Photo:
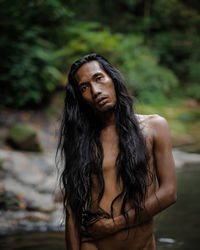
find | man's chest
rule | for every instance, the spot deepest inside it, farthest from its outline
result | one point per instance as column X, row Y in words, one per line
column 110, row 151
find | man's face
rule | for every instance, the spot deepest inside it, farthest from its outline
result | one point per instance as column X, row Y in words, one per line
column 96, row 86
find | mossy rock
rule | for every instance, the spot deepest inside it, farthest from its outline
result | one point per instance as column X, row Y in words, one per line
column 24, row 137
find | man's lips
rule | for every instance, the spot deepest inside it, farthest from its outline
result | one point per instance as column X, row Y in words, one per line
column 101, row 100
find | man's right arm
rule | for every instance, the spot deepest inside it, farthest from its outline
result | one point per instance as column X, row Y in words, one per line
column 72, row 232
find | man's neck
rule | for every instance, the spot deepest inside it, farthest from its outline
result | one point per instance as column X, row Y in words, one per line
column 107, row 119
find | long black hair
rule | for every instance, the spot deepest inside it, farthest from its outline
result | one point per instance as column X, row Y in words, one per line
column 80, row 145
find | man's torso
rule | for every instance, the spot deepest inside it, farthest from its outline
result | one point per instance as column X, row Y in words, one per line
column 142, row 236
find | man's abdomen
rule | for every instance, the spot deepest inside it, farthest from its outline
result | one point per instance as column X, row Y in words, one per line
column 141, row 237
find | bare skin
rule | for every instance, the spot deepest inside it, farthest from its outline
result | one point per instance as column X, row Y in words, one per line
column 107, row 235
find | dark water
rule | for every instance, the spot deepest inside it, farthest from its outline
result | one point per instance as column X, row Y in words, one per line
column 177, row 228
column 180, row 223
column 34, row 241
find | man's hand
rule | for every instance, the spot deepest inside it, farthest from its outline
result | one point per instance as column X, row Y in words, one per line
column 105, row 227
column 99, row 229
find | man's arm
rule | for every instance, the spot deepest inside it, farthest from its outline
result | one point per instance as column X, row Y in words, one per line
column 166, row 194
column 72, row 232
column 163, row 197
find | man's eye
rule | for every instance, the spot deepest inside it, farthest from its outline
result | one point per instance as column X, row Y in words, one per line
column 83, row 89
column 99, row 78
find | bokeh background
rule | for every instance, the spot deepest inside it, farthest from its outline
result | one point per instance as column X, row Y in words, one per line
column 154, row 43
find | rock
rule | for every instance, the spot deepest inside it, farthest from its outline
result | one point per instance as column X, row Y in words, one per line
column 48, row 140
column 24, row 137
column 11, row 222
column 48, row 185
column 37, row 216
column 7, row 226
column 43, row 162
column 26, row 215
column 183, row 159
column 34, row 199
column 58, row 197
column 57, row 218
column 19, row 166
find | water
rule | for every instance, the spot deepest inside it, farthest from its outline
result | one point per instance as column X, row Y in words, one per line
column 177, row 228
column 34, row 241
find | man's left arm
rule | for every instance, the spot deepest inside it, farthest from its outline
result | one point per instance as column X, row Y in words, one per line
column 159, row 200
column 166, row 194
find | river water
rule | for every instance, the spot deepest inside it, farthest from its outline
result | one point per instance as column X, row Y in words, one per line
column 177, row 228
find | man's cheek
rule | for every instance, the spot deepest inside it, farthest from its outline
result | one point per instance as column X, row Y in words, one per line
column 90, row 103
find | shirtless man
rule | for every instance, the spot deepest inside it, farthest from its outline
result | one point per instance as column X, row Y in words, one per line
column 113, row 159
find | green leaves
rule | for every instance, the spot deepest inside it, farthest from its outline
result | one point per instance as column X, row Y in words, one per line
column 31, row 59
column 145, row 77
column 155, row 44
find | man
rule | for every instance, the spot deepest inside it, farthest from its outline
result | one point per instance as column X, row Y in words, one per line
column 112, row 160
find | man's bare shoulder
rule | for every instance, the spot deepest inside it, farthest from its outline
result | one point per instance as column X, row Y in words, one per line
column 153, row 125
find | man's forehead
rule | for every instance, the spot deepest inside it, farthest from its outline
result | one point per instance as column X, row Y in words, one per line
column 88, row 70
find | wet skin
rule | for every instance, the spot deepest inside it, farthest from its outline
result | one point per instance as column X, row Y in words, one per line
column 106, row 234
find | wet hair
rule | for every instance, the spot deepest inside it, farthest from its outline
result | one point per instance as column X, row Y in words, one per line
column 82, row 150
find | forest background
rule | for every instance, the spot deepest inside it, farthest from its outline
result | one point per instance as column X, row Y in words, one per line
column 154, row 43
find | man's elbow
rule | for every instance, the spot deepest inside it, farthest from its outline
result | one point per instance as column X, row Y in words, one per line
column 172, row 195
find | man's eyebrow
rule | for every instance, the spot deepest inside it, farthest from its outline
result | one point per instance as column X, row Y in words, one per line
column 82, row 83
column 97, row 74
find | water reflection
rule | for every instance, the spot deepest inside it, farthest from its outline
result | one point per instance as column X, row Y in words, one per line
column 177, row 228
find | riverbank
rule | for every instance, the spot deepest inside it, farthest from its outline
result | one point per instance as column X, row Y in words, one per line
column 32, row 181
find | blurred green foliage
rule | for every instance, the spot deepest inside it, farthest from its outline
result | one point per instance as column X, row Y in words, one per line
column 154, row 43
column 29, row 50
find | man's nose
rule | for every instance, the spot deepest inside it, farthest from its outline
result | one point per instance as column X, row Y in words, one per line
column 96, row 90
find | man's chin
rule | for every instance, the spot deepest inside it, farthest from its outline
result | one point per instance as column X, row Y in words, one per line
column 107, row 108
